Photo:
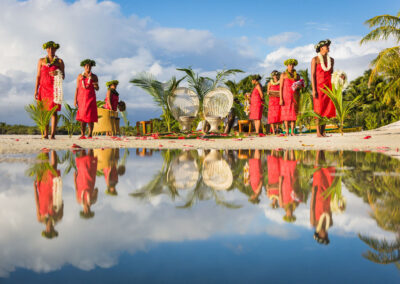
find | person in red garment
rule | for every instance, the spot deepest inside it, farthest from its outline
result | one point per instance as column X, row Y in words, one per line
column 274, row 108
column 48, row 196
column 320, row 206
column 111, row 173
column 288, row 96
column 85, row 181
column 255, row 176
column 321, row 75
column 289, row 199
column 112, row 96
column 85, row 97
column 256, row 102
column 44, row 87
column 274, row 172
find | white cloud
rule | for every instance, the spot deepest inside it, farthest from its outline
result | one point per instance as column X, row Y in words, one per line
column 239, row 21
column 283, row 38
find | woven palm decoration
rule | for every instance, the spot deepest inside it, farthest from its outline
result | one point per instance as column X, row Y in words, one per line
column 216, row 172
column 218, row 102
column 183, row 102
column 183, row 172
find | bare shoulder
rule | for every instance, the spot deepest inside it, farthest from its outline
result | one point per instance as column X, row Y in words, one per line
column 314, row 60
column 60, row 61
column 79, row 77
column 42, row 60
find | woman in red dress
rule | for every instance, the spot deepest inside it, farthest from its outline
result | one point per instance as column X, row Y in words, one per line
column 289, row 97
column 48, row 210
column 112, row 96
column 85, row 181
column 256, row 101
column 274, row 172
column 85, row 97
column 320, row 211
column 321, row 75
column 44, row 87
column 255, row 176
column 274, row 108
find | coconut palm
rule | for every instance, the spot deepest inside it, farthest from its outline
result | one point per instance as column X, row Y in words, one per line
column 388, row 61
column 69, row 121
column 40, row 115
column 159, row 91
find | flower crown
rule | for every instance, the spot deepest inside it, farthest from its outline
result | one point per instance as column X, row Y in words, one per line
column 88, row 61
column 323, row 241
column 112, row 82
column 51, row 44
column 321, row 44
column 290, row 61
column 275, row 73
column 289, row 219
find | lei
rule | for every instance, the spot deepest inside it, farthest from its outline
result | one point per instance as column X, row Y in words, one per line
column 58, row 88
column 48, row 63
column 290, row 75
column 83, row 81
column 322, row 62
column 273, row 83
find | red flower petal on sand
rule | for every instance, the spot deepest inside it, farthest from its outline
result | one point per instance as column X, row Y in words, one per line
column 356, row 150
column 181, row 137
column 17, row 140
column 367, row 137
column 75, row 146
column 261, row 135
column 160, row 145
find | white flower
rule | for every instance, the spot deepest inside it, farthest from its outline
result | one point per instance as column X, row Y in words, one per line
column 339, row 79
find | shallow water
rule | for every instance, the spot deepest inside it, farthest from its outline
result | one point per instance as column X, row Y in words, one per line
column 199, row 216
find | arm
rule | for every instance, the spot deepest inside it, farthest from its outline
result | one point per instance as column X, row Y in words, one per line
column 280, row 191
column 281, row 89
column 108, row 99
column 313, row 77
column 36, row 200
column 62, row 67
column 95, row 82
column 268, row 88
column 333, row 63
column 260, row 91
column 39, row 66
column 78, row 80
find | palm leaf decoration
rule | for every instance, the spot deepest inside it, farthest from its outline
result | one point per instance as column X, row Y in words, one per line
column 69, row 121
column 40, row 115
column 385, row 252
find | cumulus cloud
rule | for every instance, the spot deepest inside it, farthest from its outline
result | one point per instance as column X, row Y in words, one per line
column 283, row 38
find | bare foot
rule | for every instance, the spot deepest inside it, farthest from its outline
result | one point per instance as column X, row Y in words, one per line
column 52, row 137
column 45, row 137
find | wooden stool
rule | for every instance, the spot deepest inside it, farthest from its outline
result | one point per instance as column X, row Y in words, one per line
column 244, row 122
column 242, row 155
column 143, row 124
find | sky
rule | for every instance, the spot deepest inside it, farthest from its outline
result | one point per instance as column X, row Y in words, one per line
column 126, row 38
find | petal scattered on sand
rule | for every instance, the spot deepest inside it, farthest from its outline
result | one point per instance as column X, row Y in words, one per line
column 367, row 137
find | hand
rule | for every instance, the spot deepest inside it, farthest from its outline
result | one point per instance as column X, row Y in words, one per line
column 315, row 94
column 35, row 96
column 281, row 102
column 75, row 103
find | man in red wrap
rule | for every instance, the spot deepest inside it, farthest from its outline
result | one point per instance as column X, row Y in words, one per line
column 85, row 97
column 44, row 87
column 321, row 75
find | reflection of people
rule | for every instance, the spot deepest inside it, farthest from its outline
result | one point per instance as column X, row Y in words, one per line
column 320, row 211
column 256, row 102
column 48, row 196
column 273, row 162
column 85, row 181
column 255, row 176
column 288, row 197
column 321, row 74
column 274, row 108
column 44, row 88
column 85, row 97
column 288, row 96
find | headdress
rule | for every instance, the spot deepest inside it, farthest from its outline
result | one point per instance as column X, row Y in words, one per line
column 323, row 241
column 290, row 62
column 88, row 61
column 51, row 44
column 275, row 73
column 112, row 82
column 321, row 44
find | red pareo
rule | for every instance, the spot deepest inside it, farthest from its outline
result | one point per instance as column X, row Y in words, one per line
column 274, row 108
column 86, row 168
column 256, row 106
column 111, row 175
column 322, row 180
column 274, row 170
column 45, row 193
column 323, row 105
column 289, row 108
column 288, row 169
column 255, row 173
column 114, row 98
column 87, row 107
column 46, row 87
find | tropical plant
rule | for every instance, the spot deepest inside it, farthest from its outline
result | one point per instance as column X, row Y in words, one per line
column 239, row 90
column 159, row 91
column 69, row 121
column 386, row 252
column 305, row 101
column 40, row 115
column 342, row 107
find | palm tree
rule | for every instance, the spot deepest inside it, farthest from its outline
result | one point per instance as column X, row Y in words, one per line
column 69, row 121
column 388, row 61
column 159, row 91
column 40, row 115
column 305, row 100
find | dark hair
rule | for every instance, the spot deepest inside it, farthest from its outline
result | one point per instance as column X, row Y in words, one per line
column 256, row 77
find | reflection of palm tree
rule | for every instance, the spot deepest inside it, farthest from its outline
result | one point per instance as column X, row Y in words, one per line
column 385, row 252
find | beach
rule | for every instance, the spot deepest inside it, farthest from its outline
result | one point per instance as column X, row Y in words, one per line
column 385, row 139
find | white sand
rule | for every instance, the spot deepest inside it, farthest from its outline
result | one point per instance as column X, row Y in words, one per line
column 385, row 139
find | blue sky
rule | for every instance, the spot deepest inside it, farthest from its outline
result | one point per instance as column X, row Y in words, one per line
column 129, row 37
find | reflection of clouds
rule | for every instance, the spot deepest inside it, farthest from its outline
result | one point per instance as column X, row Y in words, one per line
column 123, row 223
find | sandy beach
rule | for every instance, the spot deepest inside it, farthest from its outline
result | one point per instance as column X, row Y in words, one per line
column 385, row 139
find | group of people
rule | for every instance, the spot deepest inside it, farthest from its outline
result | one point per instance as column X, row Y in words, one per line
column 283, row 91
column 87, row 84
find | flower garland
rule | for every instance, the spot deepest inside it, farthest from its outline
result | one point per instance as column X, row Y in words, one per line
column 291, row 61
column 57, row 87
column 48, row 63
column 322, row 62
column 339, row 79
column 246, row 173
column 273, row 83
column 57, row 193
column 290, row 75
column 83, row 80
column 113, row 82
column 51, row 44
column 246, row 104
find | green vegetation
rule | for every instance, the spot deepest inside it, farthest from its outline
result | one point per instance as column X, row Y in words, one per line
column 40, row 115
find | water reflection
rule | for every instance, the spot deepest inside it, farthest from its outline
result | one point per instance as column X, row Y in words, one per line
column 177, row 195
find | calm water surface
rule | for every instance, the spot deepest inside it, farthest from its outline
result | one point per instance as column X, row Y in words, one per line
column 115, row 215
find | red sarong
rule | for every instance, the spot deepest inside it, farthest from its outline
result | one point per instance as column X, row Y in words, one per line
column 288, row 169
column 323, row 105
column 46, row 87
column 274, row 108
column 322, row 180
column 255, row 173
column 289, row 108
column 86, row 168
column 87, row 107
column 45, row 193
column 255, row 105
column 114, row 102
